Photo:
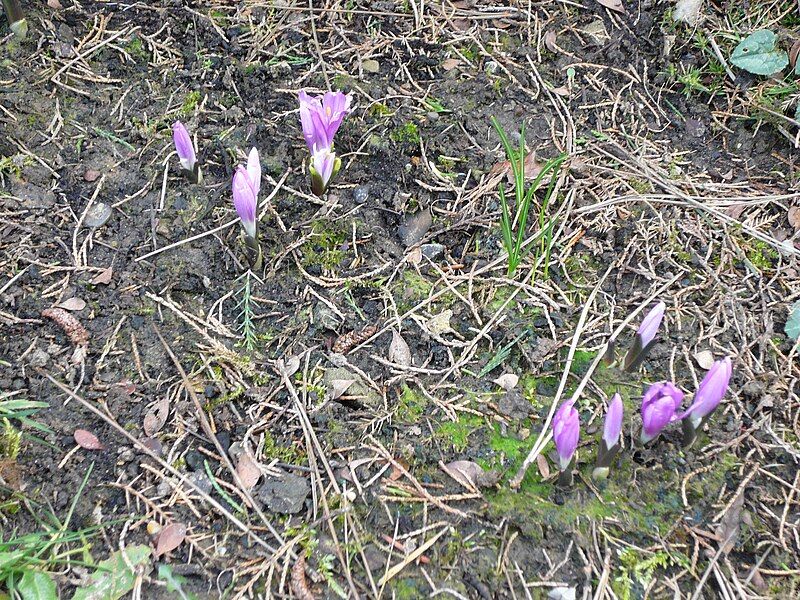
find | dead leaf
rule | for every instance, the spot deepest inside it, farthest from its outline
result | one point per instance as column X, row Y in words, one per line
column 103, row 277
column 530, row 165
column 439, row 324
column 794, row 217
column 87, row 440
column 735, row 210
column 687, row 11
column 793, row 52
column 508, row 381
column 156, row 417
column 170, row 538
column 561, row 593
column 399, row 352
column 728, row 528
column 705, row 359
column 414, row 255
column 54, row 4
column 291, row 365
column 615, row 5
column 561, row 91
column 73, row 304
column 90, row 175
column 550, row 41
column 543, row 466
column 414, row 227
column 448, row 64
column 469, row 474
column 248, row 470
column 338, row 387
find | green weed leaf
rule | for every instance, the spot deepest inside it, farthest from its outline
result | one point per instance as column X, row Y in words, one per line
column 758, row 53
column 36, row 585
column 792, row 327
column 113, row 577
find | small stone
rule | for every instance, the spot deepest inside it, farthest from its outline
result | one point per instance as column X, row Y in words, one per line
column 371, row 66
column 285, row 494
column 194, row 460
column 224, row 439
column 201, row 480
column 361, row 194
column 432, row 251
column 91, row 175
column 211, row 391
column 98, row 215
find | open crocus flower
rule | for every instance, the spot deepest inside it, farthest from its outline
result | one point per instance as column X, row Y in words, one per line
column 609, row 444
column 566, row 431
column 708, row 396
column 323, row 168
column 185, row 150
column 321, row 117
column 645, row 336
column 660, row 404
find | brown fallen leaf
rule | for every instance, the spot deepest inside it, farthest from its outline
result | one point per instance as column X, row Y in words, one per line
column 794, row 217
column 448, row 64
column 793, row 52
column 550, row 41
column 543, row 466
column 73, row 304
column 728, row 528
column 87, row 440
column 530, row 165
column 248, row 470
column 399, row 352
column 705, row 359
column 103, row 277
column 338, row 387
column 414, row 227
column 469, row 474
column 169, row 538
column 156, row 417
column 615, row 5
column 507, row 381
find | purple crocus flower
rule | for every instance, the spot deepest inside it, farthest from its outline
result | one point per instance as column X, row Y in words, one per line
column 245, row 200
column 321, row 117
column 649, row 327
column 566, row 431
column 183, row 146
column 613, row 423
column 645, row 336
column 323, row 168
column 710, row 392
column 659, row 405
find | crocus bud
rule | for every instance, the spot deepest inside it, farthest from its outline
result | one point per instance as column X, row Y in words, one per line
column 613, row 423
column 16, row 18
column 566, row 431
column 185, row 150
column 609, row 444
column 645, row 336
column 254, row 170
column 245, row 200
column 659, row 406
column 323, row 168
column 321, row 117
column 708, row 396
